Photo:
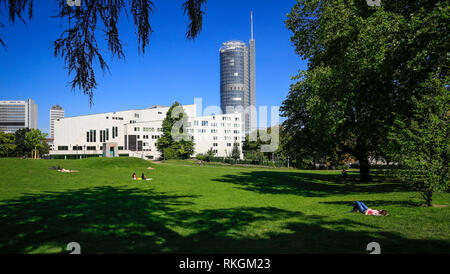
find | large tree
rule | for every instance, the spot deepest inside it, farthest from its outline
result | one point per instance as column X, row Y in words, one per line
column 22, row 147
column 35, row 139
column 7, row 144
column 364, row 64
column 420, row 143
column 176, row 142
column 94, row 19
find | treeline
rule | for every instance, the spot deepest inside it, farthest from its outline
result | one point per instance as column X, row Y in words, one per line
column 23, row 142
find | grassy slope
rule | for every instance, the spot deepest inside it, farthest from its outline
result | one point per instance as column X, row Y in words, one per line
column 188, row 208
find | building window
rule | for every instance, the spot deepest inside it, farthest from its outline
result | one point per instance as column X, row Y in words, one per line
column 213, row 130
column 195, row 123
column 204, row 123
column 63, row 148
column 136, row 115
column 120, row 148
column 215, row 144
column 214, row 138
column 228, row 144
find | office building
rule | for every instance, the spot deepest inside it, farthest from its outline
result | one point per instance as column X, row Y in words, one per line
column 237, row 79
column 15, row 115
column 56, row 112
column 135, row 132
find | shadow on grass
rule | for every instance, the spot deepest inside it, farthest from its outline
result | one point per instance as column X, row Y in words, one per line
column 124, row 220
column 305, row 184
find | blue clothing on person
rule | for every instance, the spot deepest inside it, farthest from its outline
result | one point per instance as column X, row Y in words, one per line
column 361, row 206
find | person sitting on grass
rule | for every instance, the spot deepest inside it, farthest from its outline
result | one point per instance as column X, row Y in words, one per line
column 133, row 177
column 368, row 211
column 145, row 178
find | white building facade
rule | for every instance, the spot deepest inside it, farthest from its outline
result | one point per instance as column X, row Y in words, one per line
column 135, row 132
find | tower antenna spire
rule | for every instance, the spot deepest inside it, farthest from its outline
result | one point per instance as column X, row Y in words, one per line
column 251, row 18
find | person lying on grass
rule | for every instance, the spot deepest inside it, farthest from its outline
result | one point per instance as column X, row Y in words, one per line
column 67, row 170
column 368, row 211
column 145, row 178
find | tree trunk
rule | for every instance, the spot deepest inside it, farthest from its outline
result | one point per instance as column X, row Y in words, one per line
column 364, row 170
column 429, row 197
column 364, row 166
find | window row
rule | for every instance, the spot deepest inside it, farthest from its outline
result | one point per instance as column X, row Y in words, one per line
column 85, row 148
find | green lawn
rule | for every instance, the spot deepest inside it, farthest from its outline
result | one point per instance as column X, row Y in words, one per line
column 208, row 209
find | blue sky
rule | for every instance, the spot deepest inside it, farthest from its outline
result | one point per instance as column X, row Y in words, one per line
column 172, row 69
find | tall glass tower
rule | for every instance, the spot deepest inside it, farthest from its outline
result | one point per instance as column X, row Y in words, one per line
column 237, row 78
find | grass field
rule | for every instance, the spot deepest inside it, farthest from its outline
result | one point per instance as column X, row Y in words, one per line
column 188, row 208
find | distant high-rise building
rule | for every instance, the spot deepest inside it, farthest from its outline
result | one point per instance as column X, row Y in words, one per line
column 237, row 78
column 56, row 112
column 15, row 115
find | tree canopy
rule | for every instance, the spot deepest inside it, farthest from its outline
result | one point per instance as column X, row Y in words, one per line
column 176, row 142
column 365, row 64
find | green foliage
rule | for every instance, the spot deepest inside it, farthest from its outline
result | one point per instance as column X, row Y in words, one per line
column 175, row 143
column 256, row 156
column 7, row 144
column 363, row 64
column 420, row 142
column 235, row 152
column 201, row 157
column 252, row 148
column 35, row 139
column 22, row 147
column 210, row 154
